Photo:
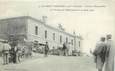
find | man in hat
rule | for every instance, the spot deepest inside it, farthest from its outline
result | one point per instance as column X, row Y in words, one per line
column 64, row 49
column 5, row 52
column 70, row 49
column 99, row 54
column 46, row 49
column 109, row 62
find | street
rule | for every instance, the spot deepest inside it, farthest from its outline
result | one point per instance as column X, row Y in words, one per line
column 53, row 63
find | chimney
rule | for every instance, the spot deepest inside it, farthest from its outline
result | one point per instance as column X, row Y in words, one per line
column 61, row 27
column 74, row 33
column 44, row 18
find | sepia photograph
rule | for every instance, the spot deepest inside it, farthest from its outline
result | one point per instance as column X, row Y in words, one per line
column 57, row 35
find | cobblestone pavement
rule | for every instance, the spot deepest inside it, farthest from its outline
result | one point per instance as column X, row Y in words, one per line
column 52, row 63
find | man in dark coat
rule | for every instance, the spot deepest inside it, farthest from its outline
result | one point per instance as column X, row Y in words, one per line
column 99, row 54
column 13, row 52
column 64, row 49
column 46, row 49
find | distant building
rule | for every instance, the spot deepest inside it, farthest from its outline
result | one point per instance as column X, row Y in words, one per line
column 30, row 29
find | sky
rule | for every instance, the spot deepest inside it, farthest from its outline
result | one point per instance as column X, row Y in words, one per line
column 91, row 25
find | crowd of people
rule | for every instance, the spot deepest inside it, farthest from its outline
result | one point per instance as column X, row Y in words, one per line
column 104, row 54
column 68, row 50
column 14, row 52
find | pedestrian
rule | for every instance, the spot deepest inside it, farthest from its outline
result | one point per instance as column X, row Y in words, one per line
column 53, row 51
column 64, row 49
column 5, row 51
column 11, row 52
column 46, row 49
column 23, row 52
column 26, row 52
column 69, row 49
column 99, row 54
column 109, row 62
column 14, row 54
column 19, row 52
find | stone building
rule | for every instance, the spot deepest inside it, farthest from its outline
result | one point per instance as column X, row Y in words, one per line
column 31, row 29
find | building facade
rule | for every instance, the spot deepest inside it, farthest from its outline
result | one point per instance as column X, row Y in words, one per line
column 31, row 29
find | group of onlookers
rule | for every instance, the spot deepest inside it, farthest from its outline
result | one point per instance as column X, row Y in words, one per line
column 15, row 53
column 12, row 54
column 67, row 49
column 104, row 54
column 9, row 53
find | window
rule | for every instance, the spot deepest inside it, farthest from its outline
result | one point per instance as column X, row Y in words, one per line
column 66, row 40
column 45, row 33
column 53, row 36
column 36, row 30
column 72, row 41
column 60, row 39
column 79, row 44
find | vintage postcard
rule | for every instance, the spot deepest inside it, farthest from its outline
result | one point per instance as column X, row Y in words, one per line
column 57, row 35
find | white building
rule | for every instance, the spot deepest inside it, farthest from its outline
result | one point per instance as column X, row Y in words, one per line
column 32, row 29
